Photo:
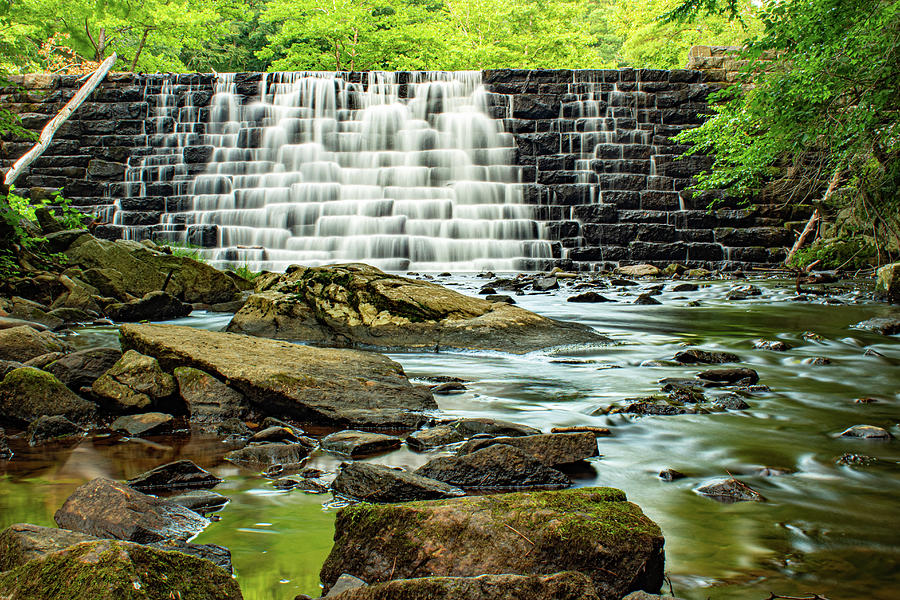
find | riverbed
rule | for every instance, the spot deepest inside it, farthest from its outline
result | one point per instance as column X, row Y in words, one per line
column 825, row 528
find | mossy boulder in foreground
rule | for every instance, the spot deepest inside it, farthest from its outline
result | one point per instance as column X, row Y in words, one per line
column 27, row 393
column 116, row 570
column 887, row 283
column 358, row 304
column 560, row 586
column 595, row 531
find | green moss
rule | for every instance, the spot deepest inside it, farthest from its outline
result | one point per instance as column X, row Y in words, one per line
column 118, row 570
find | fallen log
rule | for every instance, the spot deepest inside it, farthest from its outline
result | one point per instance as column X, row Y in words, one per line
column 51, row 128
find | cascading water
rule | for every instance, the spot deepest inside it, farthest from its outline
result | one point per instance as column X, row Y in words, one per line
column 318, row 169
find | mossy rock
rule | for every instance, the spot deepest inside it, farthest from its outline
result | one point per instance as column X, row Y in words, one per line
column 27, row 393
column 591, row 530
column 358, row 304
column 24, row 343
column 144, row 269
column 887, row 283
column 116, row 570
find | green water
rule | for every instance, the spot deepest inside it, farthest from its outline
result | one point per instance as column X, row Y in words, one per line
column 825, row 529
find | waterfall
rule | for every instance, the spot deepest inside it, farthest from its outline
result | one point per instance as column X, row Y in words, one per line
column 403, row 171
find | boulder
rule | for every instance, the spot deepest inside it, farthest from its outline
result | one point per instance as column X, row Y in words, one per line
column 49, row 429
column 82, row 368
column 646, row 299
column 496, row 466
column 730, row 490
column 651, row 406
column 39, row 362
column 734, row 375
column 359, row 304
column 359, row 443
column 278, row 433
column 180, row 474
column 882, row 325
column 867, row 432
column 24, row 343
column 326, row 386
column 23, row 542
column 591, row 530
column 639, row 271
column 588, row 297
column 263, row 456
column 550, row 448
column 153, row 306
column 433, row 437
column 545, row 284
column 887, row 283
column 145, row 269
column 218, row 555
column 152, row 423
column 133, row 383
column 109, row 509
column 378, row 483
column 112, row 570
column 569, row 585
column 28, row 393
column 31, row 311
column 694, row 356
column 484, row 425
column 7, row 366
column 775, row 345
column 207, row 398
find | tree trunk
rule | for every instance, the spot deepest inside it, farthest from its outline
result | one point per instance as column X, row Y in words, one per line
column 140, row 48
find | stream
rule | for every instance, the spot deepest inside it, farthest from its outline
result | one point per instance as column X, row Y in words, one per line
column 824, row 529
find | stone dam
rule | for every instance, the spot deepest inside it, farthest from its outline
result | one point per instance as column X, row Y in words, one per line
column 497, row 169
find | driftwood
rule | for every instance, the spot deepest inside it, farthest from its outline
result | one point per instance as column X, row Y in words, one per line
column 814, row 218
column 57, row 121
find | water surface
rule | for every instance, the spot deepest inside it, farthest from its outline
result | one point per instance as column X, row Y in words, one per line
column 825, row 528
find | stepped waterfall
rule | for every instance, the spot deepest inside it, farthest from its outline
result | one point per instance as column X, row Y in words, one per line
column 319, row 169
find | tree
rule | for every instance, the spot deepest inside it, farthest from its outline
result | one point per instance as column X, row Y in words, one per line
column 653, row 42
column 823, row 108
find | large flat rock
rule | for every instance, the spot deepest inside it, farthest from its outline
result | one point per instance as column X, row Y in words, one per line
column 319, row 385
column 359, row 304
column 591, row 530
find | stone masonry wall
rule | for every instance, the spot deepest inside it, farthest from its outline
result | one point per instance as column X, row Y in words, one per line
column 594, row 148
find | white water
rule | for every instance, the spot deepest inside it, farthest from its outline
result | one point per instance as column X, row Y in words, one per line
column 318, row 170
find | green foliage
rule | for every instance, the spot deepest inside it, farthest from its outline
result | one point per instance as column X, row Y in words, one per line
column 185, row 250
column 652, row 39
column 245, row 272
column 854, row 252
column 823, row 100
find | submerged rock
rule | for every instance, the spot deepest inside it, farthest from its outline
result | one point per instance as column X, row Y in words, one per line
column 378, row 483
column 109, row 509
column 112, row 570
column 569, row 585
column 359, row 304
column 694, row 356
column 200, row 501
column 264, row 456
column 591, row 530
column 28, row 393
column 868, row 432
column 24, row 343
column 359, row 443
column 172, row 476
column 735, row 375
column 591, row 297
column 152, row 423
column 49, row 429
column 134, row 383
column 551, row 448
column 671, row 475
column 882, row 325
column 646, row 299
column 343, row 387
column 730, row 490
column 496, row 466
column 651, row 407
column 730, row 402
column 450, row 387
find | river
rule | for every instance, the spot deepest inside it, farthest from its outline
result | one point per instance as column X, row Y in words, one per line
column 826, row 529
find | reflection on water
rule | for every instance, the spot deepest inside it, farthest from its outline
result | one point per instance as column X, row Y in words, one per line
column 825, row 529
